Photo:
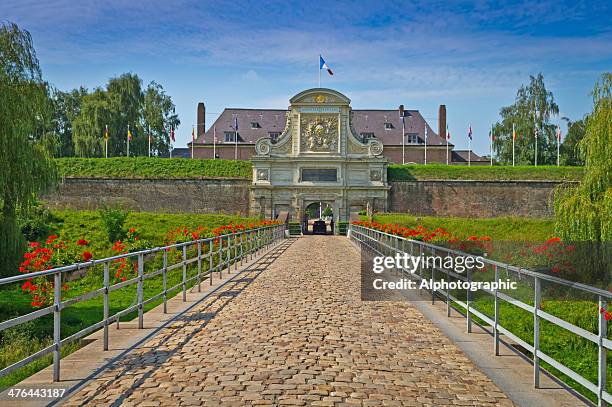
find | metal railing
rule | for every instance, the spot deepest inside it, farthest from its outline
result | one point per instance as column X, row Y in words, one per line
column 389, row 245
column 219, row 252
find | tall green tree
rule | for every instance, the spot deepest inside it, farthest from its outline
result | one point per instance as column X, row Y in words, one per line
column 89, row 125
column 121, row 104
column 532, row 110
column 26, row 167
column 159, row 116
column 66, row 108
column 585, row 212
column 570, row 148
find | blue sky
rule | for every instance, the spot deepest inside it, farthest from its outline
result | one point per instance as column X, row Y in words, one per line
column 471, row 56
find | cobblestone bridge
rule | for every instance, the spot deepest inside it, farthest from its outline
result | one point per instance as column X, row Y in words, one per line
column 295, row 332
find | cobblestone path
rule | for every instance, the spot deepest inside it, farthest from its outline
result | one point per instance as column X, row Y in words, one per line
column 296, row 333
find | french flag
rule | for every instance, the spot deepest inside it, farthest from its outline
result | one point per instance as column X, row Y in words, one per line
column 323, row 65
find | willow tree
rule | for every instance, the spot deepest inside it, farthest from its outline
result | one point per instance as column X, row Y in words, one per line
column 584, row 213
column 26, row 167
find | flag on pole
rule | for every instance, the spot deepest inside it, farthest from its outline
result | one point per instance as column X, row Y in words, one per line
column 470, row 132
column 192, row 140
column 447, row 133
column 129, row 135
column 172, row 134
column 323, row 65
column 558, row 134
column 513, row 132
column 106, row 132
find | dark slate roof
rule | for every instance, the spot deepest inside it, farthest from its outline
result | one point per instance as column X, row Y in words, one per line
column 364, row 121
column 462, row 156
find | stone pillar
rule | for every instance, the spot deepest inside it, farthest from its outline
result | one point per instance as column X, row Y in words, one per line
column 442, row 122
column 201, row 125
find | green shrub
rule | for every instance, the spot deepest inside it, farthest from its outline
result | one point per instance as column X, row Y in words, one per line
column 36, row 224
column 113, row 220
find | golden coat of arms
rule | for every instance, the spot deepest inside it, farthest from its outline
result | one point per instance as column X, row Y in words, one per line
column 319, row 134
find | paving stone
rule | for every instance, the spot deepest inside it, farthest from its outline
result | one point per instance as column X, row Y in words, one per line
column 296, row 334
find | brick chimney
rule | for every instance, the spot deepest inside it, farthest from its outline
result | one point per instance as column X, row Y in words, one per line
column 442, row 122
column 201, row 126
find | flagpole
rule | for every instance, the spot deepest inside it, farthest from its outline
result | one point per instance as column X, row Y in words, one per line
column 470, row 147
column 425, row 143
column 214, row 142
column 446, row 144
column 192, row 140
column 319, row 70
column 149, row 141
column 536, row 147
column 513, row 138
column 491, row 146
column 128, row 141
column 106, row 141
column 558, row 143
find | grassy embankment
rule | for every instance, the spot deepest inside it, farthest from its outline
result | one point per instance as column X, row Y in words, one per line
column 19, row 342
column 398, row 172
column 570, row 349
column 144, row 167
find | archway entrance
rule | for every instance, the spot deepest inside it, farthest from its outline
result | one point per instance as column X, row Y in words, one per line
column 318, row 219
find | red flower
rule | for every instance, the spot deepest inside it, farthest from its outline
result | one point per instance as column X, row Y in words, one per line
column 553, row 240
column 608, row 315
column 34, row 244
column 82, row 242
column 87, row 256
column 132, row 230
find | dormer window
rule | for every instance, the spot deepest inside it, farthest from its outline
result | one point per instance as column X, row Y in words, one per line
column 388, row 126
column 412, row 138
column 255, row 125
column 366, row 136
column 274, row 135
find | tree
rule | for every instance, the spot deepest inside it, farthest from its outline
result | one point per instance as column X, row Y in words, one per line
column 533, row 108
column 570, row 151
column 26, row 167
column 158, row 117
column 66, row 108
column 89, row 125
column 121, row 104
column 585, row 212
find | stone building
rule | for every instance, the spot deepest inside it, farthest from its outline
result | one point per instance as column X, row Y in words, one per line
column 382, row 125
column 318, row 158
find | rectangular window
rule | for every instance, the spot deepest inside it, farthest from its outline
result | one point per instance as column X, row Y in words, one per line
column 230, row 136
column 319, row 174
column 255, row 125
column 412, row 138
column 388, row 126
column 366, row 136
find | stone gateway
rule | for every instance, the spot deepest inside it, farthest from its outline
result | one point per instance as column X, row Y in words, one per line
column 318, row 158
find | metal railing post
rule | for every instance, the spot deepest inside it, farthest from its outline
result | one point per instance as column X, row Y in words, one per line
column 229, row 254
column 433, row 279
column 210, row 261
column 536, row 332
column 235, row 252
column 468, row 295
column 448, row 299
column 165, row 281
column 140, row 291
column 241, row 248
column 603, row 354
column 184, row 273
column 496, row 316
column 106, row 307
column 199, row 266
column 220, row 239
column 57, row 320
